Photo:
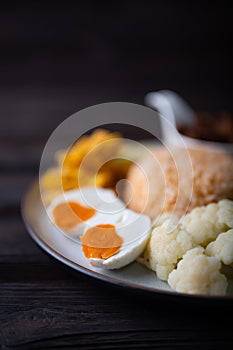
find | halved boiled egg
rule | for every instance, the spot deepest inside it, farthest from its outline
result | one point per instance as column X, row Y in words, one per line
column 72, row 210
column 111, row 235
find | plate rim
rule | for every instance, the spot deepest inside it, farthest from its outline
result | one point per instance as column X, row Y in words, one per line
column 33, row 232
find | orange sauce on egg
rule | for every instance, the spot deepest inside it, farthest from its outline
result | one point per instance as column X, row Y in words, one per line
column 67, row 215
column 101, row 241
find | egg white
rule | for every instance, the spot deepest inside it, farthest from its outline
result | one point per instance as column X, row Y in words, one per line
column 107, row 205
column 133, row 227
column 135, row 230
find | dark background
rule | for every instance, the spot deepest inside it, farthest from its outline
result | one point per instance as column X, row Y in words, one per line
column 58, row 57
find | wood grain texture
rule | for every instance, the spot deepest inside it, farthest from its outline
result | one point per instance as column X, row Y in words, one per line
column 78, row 311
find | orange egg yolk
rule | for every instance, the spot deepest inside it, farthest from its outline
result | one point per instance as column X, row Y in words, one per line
column 67, row 215
column 101, row 242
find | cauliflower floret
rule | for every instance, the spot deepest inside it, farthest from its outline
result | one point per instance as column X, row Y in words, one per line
column 225, row 212
column 160, row 220
column 197, row 273
column 222, row 247
column 206, row 222
column 166, row 246
column 180, row 242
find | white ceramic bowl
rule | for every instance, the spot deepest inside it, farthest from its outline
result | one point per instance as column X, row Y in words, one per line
column 174, row 110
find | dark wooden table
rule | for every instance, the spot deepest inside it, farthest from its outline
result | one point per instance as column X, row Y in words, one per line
column 44, row 304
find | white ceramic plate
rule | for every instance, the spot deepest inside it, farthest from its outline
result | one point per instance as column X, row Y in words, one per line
column 49, row 238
